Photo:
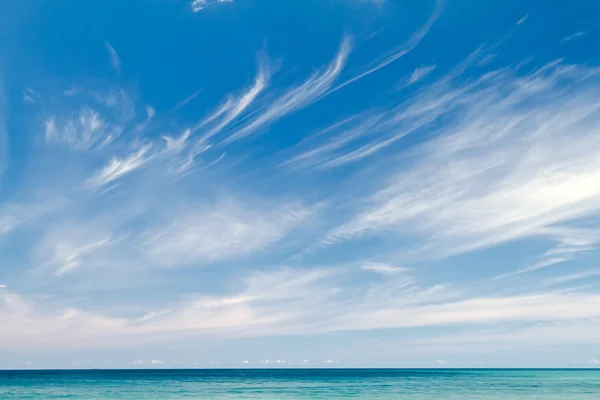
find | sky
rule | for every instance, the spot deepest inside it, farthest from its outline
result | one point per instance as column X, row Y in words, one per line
column 315, row 183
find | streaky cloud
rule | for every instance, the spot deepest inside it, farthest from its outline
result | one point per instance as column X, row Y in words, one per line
column 119, row 167
column 199, row 5
column 523, row 19
column 186, row 101
column 573, row 36
column 115, row 61
column 420, row 73
column 296, row 98
column 235, row 107
column 398, row 52
column 177, row 144
column 309, row 301
column 384, row 269
column 513, row 169
column 223, row 231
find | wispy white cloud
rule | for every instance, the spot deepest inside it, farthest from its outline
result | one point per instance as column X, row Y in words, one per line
column 370, row 132
column 87, row 127
column 573, row 36
column 218, row 121
column 398, row 52
column 177, row 144
column 384, row 269
column 420, row 73
column 220, row 231
column 31, row 96
column 298, row 97
column 115, row 61
column 523, row 19
column 487, row 59
column 571, row 244
column 186, row 101
column 138, row 362
column 562, row 279
column 119, row 167
column 341, row 136
column 150, row 112
column 199, row 5
column 480, row 183
column 72, row 260
column 441, row 362
column 71, row 92
column 282, row 302
column 13, row 215
column 9, row 219
column 236, row 106
column 157, row 362
column 69, row 248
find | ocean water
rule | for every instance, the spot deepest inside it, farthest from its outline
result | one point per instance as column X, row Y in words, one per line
column 302, row 384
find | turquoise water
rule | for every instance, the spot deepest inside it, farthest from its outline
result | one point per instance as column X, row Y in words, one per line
column 302, row 384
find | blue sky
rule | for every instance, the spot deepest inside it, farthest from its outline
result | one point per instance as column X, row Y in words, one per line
column 321, row 183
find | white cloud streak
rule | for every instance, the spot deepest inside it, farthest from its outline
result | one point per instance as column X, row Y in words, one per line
column 370, row 132
column 516, row 158
column 186, row 101
column 199, row 5
column 420, row 73
column 562, row 279
column 115, row 61
column 573, row 36
column 69, row 248
column 235, row 107
column 219, row 232
column 286, row 301
column 177, row 144
column 571, row 244
column 14, row 215
column 81, row 132
column 98, row 122
column 297, row 98
column 398, row 52
column 383, row 269
column 119, row 167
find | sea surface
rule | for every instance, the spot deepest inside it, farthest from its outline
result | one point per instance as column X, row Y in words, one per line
column 302, row 384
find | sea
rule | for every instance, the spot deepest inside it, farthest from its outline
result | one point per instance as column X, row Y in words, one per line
column 280, row 384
